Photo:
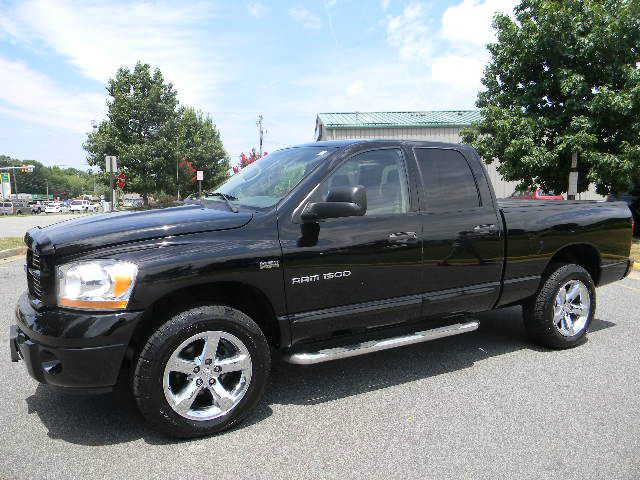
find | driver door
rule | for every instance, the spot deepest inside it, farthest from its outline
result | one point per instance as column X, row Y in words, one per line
column 349, row 274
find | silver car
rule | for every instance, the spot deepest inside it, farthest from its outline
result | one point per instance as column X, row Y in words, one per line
column 14, row 208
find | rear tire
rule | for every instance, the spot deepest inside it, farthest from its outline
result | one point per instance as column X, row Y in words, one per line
column 560, row 314
column 187, row 384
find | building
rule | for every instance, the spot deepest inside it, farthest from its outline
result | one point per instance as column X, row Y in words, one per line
column 438, row 126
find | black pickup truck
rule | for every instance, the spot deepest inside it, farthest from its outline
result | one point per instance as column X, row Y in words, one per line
column 314, row 253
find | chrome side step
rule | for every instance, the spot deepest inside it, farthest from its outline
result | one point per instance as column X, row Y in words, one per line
column 326, row 355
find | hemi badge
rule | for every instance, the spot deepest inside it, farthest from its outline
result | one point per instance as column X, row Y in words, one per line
column 269, row 264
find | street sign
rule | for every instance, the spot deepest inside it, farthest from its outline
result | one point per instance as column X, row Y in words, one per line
column 111, row 164
column 199, row 175
column 5, row 185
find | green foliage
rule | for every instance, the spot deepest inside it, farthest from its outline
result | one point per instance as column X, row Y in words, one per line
column 62, row 182
column 199, row 142
column 149, row 133
column 563, row 78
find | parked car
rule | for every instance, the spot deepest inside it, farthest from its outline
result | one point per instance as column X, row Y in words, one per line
column 56, row 207
column 318, row 252
column 6, row 208
column 537, row 194
column 82, row 206
column 14, row 207
column 37, row 207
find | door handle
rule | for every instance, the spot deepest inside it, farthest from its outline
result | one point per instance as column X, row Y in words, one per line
column 486, row 228
column 403, row 237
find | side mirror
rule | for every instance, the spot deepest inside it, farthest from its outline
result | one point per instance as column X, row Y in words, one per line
column 341, row 202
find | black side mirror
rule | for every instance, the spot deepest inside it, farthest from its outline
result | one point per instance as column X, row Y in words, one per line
column 341, row 202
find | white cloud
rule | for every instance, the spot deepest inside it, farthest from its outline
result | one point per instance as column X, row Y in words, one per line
column 304, row 17
column 409, row 33
column 385, row 4
column 355, row 88
column 98, row 38
column 29, row 95
column 470, row 21
column 458, row 71
column 453, row 53
column 256, row 9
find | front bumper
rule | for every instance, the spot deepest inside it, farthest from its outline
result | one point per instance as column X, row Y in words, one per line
column 80, row 351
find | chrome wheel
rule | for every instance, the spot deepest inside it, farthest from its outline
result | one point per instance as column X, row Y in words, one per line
column 571, row 308
column 207, row 375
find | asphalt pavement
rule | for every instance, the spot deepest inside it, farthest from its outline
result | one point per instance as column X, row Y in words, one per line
column 483, row 405
column 17, row 225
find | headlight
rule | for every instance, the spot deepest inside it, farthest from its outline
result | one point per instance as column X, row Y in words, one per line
column 96, row 284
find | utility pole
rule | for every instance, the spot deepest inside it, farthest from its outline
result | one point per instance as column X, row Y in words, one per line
column 15, row 185
column 259, row 124
column 572, row 191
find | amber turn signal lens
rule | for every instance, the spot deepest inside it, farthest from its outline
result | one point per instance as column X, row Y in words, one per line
column 104, row 304
column 122, row 282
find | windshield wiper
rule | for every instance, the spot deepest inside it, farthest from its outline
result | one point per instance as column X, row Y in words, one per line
column 226, row 198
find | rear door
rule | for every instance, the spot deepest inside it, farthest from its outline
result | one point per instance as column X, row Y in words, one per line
column 348, row 274
column 461, row 234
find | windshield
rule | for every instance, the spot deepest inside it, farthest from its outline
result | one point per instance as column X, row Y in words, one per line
column 76, row 202
column 266, row 181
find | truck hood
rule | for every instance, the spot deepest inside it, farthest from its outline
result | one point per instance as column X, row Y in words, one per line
column 96, row 231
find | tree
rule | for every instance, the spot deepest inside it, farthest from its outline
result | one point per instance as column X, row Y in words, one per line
column 152, row 136
column 200, row 148
column 563, row 78
column 141, row 129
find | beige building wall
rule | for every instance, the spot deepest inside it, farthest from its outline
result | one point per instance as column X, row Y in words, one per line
column 502, row 187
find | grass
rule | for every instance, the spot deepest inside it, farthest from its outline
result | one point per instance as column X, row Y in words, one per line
column 635, row 251
column 10, row 242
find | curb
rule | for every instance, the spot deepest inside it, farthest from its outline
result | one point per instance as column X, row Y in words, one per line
column 12, row 252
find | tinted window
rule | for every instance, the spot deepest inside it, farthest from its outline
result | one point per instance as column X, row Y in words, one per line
column 382, row 173
column 447, row 180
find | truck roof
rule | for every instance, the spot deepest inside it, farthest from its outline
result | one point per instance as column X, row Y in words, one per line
column 351, row 141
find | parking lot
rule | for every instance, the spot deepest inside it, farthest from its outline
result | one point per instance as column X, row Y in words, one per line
column 487, row 404
column 17, row 225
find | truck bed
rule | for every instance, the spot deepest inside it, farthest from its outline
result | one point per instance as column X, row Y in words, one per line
column 537, row 230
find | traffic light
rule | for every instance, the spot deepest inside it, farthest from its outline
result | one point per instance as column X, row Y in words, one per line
column 26, row 168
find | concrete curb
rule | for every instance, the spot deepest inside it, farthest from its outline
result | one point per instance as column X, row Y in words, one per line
column 12, row 252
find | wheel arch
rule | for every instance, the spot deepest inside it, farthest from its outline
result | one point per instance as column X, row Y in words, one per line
column 584, row 254
column 246, row 298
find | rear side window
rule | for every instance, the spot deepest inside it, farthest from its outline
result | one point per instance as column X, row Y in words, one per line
column 447, row 179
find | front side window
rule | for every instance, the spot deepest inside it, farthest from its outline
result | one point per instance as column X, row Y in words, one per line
column 383, row 175
column 447, row 179
column 264, row 182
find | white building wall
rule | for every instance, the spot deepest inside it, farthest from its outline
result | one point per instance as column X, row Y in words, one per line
column 502, row 187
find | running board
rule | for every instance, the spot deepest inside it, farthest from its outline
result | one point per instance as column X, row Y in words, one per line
column 326, row 355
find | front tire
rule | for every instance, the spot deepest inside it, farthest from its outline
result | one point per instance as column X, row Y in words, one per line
column 202, row 371
column 560, row 314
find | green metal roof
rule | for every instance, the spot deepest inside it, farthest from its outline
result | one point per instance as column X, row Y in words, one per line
column 426, row 118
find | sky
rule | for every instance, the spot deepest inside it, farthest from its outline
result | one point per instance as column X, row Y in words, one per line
column 235, row 60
